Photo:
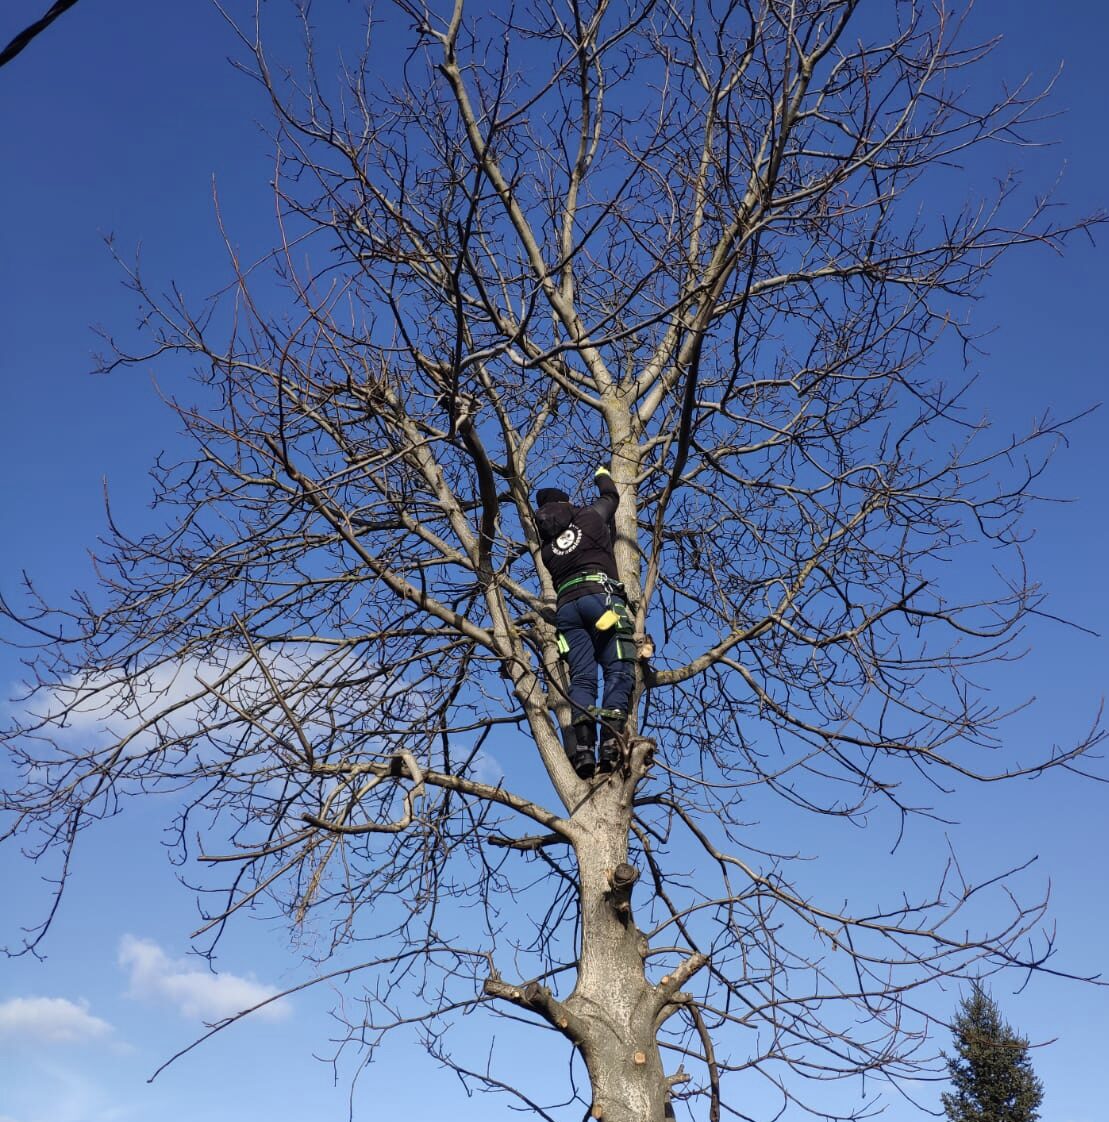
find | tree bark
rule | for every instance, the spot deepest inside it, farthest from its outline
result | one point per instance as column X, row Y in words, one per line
column 614, row 1004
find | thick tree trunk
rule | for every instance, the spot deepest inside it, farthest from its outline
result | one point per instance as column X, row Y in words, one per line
column 613, row 1006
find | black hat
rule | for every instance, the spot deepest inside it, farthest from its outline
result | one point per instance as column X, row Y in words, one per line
column 550, row 495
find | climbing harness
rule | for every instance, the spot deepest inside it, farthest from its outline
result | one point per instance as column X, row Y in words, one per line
column 604, row 579
column 616, row 616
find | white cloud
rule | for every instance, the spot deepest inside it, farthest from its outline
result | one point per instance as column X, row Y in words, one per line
column 49, row 1020
column 483, row 766
column 176, row 697
column 114, row 705
column 48, row 1092
column 154, row 976
column 487, row 769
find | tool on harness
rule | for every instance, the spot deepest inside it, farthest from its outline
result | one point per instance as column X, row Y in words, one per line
column 618, row 620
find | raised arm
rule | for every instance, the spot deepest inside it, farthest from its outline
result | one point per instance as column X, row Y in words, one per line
column 606, row 505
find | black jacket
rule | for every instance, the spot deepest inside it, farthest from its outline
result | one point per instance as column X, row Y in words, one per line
column 578, row 539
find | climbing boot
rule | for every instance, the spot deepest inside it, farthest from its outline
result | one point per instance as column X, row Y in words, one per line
column 583, row 763
column 608, row 758
column 580, row 752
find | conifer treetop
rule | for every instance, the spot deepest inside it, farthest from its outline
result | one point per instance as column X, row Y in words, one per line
column 991, row 1070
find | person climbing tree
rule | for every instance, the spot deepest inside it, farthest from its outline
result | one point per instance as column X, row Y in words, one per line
column 594, row 624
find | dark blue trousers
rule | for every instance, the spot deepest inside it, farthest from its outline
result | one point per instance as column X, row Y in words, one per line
column 590, row 648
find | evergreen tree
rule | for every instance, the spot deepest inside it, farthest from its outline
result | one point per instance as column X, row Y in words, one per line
column 992, row 1073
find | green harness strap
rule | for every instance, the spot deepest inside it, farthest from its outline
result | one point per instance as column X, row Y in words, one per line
column 616, row 618
column 585, row 578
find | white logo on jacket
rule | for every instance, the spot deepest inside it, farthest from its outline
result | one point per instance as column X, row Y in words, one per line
column 567, row 541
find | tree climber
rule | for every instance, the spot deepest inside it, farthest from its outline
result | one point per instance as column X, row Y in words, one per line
column 594, row 625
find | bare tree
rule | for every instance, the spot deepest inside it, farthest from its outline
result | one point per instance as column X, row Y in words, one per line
column 19, row 42
column 715, row 245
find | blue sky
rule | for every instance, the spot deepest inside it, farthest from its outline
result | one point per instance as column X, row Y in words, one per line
column 116, row 122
